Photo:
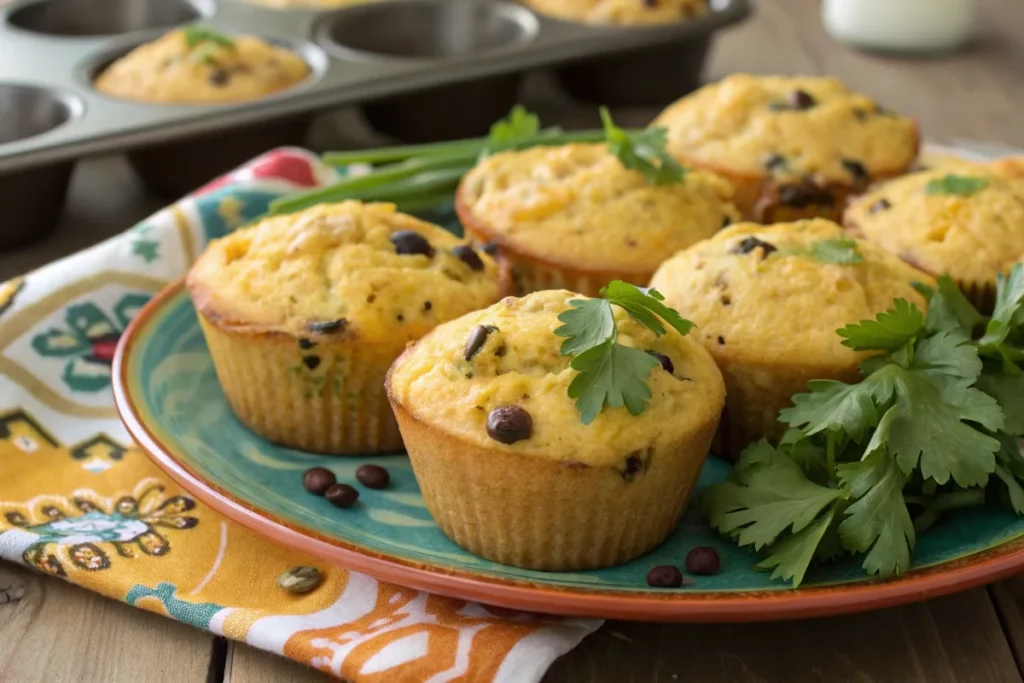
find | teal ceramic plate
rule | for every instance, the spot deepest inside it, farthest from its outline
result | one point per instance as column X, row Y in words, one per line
column 169, row 398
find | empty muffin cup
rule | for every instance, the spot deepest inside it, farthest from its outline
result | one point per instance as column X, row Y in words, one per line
column 652, row 76
column 102, row 17
column 433, row 30
column 33, row 197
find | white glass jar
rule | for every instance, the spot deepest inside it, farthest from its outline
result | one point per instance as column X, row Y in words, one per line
column 901, row 25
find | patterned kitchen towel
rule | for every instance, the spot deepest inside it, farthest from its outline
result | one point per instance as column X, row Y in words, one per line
column 80, row 502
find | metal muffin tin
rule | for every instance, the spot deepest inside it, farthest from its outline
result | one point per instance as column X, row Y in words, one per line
column 430, row 69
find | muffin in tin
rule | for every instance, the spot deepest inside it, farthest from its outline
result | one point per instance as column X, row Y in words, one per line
column 304, row 313
column 767, row 308
column 195, row 65
column 507, row 468
column 621, row 12
column 573, row 217
column 794, row 147
column 963, row 219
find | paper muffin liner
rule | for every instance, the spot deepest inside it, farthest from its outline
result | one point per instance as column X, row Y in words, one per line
column 328, row 398
column 981, row 294
column 531, row 512
column 754, row 396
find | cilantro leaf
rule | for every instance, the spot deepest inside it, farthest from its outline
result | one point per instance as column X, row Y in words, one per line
column 791, row 556
column 842, row 251
column 929, row 423
column 889, row 331
column 587, row 323
column 764, row 497
column 948, row 354
column 953, row 184
column 1007, row 315
column 196, row 35
column 1014, row 491
column 518, row 126
column 643, row 151
column 1010, row 469
column 948, row 309
column 1008, row 391
column 852, row 408
column 611, row 375
column 645, row 307
column 879, row 519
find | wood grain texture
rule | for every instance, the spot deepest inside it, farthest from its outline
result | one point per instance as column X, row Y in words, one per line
column 948, row 640
column 249, row 665
column 58, row 633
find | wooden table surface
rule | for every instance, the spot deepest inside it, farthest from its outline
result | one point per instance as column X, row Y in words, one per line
column 57, row 633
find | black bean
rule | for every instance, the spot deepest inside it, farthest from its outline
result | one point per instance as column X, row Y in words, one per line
column 634, row 466
column 801, row 99
column 491, row 248
column 411, row 242
column 665, row 361
column 327, row 326
column 721, row 340
column 311, row 362
column 749, row 244
column 477, row 339
column 219, row 77
column 805, row 195
column 342, row 495
column 373, row 476
column 427, row 305
column 856, row 170
column 650, row 3
column 318, row 480
column 726, row 221
column 774, row 162
column 306, row 344
column 881, row 205
column 665, row 576
column 860, row 114
column 509, row 424
column 702, row 560
column 468, row 256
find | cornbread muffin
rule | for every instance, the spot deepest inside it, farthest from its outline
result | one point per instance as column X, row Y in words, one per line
column 1011, row 167
column 196, row 66
column 573, row 217
column 966, row 220
column 621, row 12
column 793, row 147
column 768, row 311
column 304, row 313
column 508, row 470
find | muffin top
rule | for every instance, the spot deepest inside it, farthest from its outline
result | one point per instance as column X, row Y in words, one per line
column 1011, row 167
column 789, row 128
column 195, row 65
column 578, row 207
column 776, row 295
column 621, row 12
column 518, row 363
column 964, row 219
column 347, row 271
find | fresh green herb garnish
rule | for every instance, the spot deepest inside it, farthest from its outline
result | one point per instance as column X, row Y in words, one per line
column 197, row 35
column 842, row 251
column 518, row 126
column 960, row 185
column 867, row 467
column 643, row 151
column 419, row 177
column 613, row 374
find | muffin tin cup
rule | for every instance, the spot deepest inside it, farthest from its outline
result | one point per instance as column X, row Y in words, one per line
column 34, row 198
column 172, row 170
column 448, row 112
column 374, row 52
column 649, row 77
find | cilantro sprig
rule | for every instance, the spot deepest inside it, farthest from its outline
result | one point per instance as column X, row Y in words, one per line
column 957, row 185
column 841, row 250
column 643, row 151
column 867, row 467
column 196, row 35
column 611, row 374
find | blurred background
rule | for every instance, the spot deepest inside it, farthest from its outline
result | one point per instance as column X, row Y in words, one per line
column 955, row 65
